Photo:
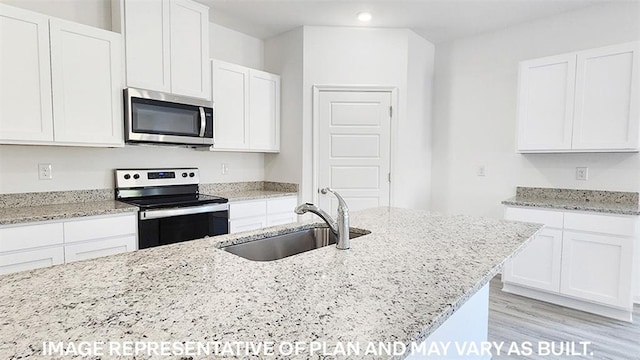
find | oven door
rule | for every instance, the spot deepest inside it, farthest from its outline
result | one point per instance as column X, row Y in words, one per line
column 164, row 118
column 169, row 226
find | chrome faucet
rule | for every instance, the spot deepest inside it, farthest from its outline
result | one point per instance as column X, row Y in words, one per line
column 339, row 227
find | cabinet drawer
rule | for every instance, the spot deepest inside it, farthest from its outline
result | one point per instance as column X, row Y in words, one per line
column 30, row 236
column 99, row 248
column 607, row 224
column 282, row 205
column 104, row 227
column 549, row 218
column 281, row 219
column 31, row 259
column 247, row 224
column 247, row 209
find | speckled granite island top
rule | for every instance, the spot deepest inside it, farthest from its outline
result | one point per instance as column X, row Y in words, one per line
column 612, row 202
column 399, row 283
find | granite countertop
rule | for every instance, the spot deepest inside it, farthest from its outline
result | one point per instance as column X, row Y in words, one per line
column 398, row 283
column 250, row 190
column 253, row 194
column 612, row 202
column 25, row 214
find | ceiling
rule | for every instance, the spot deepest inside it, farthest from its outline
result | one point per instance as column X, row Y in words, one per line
column 435, row 20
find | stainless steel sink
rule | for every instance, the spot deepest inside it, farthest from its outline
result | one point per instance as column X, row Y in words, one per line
column 282, row 246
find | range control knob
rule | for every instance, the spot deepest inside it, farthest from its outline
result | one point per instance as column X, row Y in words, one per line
column 127, row 176
column 192, row 174
column 184, row 174
column 136, row 176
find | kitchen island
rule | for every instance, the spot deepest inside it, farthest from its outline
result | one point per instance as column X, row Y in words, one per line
column 397, row 284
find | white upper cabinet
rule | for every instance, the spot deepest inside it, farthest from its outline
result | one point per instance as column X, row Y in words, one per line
column 87, row 85
column 190, row 49
column 147, row 44
column 247, row 108
column 264, row 111
column 606, row 105
column 230, row 92
column 545, row 111
column 166, row 45
column 580, row 102
column 25, row 73
column 61, row 82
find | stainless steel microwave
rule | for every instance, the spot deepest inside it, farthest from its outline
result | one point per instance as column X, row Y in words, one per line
column 155, row 117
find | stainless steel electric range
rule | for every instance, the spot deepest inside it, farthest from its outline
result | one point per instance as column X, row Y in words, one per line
column 171, row 208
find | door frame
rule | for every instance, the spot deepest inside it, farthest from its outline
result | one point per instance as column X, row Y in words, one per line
column 315, row 121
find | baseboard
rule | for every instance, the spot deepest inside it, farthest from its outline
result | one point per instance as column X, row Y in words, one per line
column 586, row 306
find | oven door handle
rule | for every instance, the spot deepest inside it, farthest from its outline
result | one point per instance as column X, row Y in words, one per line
column 164, row 213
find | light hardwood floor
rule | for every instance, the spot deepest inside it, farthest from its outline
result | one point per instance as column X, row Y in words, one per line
column 518, row 319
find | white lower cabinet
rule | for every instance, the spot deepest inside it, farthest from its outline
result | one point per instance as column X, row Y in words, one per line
column 597, row 267
column 246, row 224
column 256, row 214
column 581, row 260
column 30, row 247
column 36, row 245
column 99, row 248
column 538, row 265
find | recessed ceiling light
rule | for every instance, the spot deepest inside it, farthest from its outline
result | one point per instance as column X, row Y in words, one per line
column 364, row 16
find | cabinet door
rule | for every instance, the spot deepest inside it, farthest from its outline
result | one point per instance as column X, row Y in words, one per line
column 31, row 259
column 25, row 89
column 545, row 107
column 597, row 267
column 189, row 31
column 230, row 92
column 606, row 110
column 99, row 248
column 147, row 44
column 264, row 111
column 537, row 265
column 86, row 79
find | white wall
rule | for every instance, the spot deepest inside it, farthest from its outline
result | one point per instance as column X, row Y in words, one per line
column 89, row 12
column 90, row 168
column 235, row 47
column 284, row 56
column 475, row 112
column 413, row 173
column 316, row 55
column 370, row 56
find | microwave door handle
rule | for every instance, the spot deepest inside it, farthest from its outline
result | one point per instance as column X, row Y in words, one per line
column 203, row 122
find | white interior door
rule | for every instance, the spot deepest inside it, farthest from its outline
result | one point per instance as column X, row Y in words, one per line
column 354, row 136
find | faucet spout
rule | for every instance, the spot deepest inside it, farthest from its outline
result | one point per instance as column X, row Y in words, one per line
column 308, row 207
column 340, row 226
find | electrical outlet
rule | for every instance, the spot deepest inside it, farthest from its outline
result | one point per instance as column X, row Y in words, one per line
column 481, row 171
column 582, row 173
column 225, row 169
column 44, row 172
